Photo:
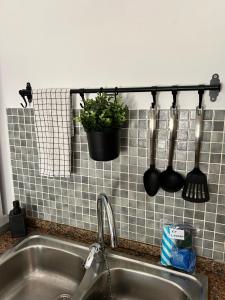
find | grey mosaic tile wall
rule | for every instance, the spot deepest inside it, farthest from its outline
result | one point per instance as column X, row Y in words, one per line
column 73, row 201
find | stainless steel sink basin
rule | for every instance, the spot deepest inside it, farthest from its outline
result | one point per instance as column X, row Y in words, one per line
column 128, row 284
column 131, row 279
column 42, row 267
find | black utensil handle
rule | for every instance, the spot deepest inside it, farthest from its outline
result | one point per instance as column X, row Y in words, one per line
column 152, row 127
column 198, row 134
column 172, row 134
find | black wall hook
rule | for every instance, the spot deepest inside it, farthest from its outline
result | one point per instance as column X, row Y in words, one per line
column 26, row 94
column 213, row 94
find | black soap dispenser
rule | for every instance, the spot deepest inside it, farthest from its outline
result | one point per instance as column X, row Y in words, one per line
column 17, row 220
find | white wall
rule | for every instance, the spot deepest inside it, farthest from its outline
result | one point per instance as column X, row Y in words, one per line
column 87, row 43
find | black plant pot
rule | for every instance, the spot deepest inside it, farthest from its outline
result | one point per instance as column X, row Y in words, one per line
column 104, row 145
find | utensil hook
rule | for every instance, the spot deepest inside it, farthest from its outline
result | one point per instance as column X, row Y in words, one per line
column 174, row 93
column 154, row 93
column 116, row 92
column 81, row 93
column 200, row 94
column 101, row 90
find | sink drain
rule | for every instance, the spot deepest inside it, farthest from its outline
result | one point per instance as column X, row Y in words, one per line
column 64, row 297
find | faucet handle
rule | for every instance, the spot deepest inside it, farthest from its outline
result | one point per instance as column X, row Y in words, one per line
column 95, row 248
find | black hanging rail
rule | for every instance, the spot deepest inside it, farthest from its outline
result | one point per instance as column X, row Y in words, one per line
column 213, row 88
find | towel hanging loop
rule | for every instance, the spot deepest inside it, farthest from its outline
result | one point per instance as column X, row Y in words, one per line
column 82, row 97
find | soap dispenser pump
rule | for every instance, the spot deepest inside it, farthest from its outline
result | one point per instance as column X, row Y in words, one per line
column 17, row 220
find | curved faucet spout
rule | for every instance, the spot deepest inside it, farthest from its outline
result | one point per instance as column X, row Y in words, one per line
column 103, row 201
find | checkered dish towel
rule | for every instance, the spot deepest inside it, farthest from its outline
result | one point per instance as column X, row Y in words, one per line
column 53, row 123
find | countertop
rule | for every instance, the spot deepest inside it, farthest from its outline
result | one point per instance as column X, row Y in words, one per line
column 214, row 270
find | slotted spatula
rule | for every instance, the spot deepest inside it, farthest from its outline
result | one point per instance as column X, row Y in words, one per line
column 196, row 187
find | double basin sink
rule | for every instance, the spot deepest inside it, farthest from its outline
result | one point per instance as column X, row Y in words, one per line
column 47, row 268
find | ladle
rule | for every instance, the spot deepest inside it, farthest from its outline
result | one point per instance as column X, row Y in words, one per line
column 170, row 180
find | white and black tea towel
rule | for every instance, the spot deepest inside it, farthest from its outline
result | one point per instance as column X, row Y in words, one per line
column 53, row 124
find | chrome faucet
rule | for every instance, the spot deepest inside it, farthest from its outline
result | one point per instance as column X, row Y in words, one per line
column 103, row 201
column 95, row 248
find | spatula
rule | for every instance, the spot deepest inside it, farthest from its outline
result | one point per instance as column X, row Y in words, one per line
column 196, row 187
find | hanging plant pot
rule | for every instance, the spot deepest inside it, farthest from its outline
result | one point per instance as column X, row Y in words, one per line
column 104, row 145
column 102, row 119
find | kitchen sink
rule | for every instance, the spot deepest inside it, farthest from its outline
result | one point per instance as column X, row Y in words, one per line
column 43, row 267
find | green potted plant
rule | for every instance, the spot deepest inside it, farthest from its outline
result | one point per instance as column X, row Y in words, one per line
column 102, row 118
